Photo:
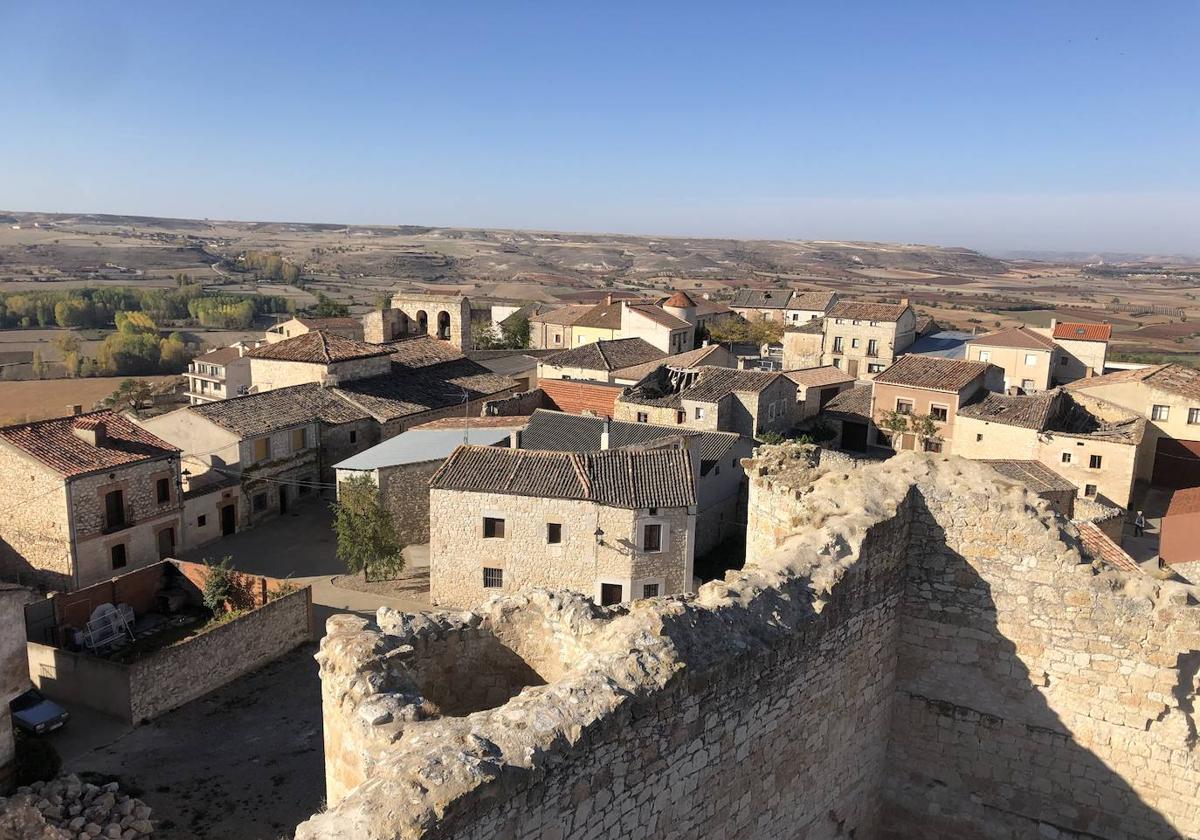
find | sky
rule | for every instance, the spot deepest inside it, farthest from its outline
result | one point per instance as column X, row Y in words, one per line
column 1050, row 125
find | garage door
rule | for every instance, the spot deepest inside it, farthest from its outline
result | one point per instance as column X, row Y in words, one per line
column 1177, row 463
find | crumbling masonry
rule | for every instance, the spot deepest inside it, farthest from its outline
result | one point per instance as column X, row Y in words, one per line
column 915, row 649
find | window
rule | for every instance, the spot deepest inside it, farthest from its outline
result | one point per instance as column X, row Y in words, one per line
column 262, row 449
column 837, row 344
column 493, row 527
column 557, row 338
column 1066, row 457
column 837, row 363
column 649, row 590
column 1193, row 416
column 163, row 489
column 353, row 436
column 874, row 367
column 554, row 533
column 979, row 438
column 904, row 406
column 985, row 356
column 201, row 520
column 939, row 413
column 699, row 412
column 1094, row 462
column 872, row 347
column 1089, row 490
column 652, row 537
column 117, row 554
column 837, row 320
column 611, row 593
column 299, row 439
column 114, row 510
column 680, row 416
column 643, row 417
column 493, row 578
column 874, row 323
column 1160, row 412
column 854, row 342
column 932, row 445
column 1030, row 359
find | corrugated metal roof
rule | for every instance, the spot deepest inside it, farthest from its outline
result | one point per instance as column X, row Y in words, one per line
column 419, row 445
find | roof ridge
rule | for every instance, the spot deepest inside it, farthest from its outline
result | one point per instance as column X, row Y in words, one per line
column 581, row 473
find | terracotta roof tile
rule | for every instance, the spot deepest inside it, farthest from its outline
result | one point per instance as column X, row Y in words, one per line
column 1033, row 474
column 816, row 377
column 55, row 444
column 319, row 347
column 616, row 477
column 258, row 414
column 867, row 311
column 811, row 300
column 1019, row 337
column 557, row 431
column 606, row 316
column 562, row 316
column 606, row 355
column 1077, row 331
column 1172, row 378
column 680, row 300
column 703, row 384
column 690, row 359
column 220, row 356
column 1099, row 546
column 659, row 316
column 932, row 372
column 421, row 351
column 851, row 404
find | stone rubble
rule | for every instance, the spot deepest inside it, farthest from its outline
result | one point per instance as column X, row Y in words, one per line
column 68, row 808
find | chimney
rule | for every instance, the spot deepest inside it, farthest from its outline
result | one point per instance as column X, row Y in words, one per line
column 514, row 439
column 75, row 410
column 1053, row 324
column 608, row 299
column 90, row 430
column 604, row 434
column 904, row 301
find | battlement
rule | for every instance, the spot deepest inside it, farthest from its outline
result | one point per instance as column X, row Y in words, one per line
column 914, row 648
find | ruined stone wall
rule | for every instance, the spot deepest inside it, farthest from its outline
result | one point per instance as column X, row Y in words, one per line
column 35, row 533
column 913, row 649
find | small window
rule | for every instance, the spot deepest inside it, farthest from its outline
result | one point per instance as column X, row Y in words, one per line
column 854, row 342
column 163, row 487
column 680, row 416
column 1193, row 416
column 1066, row 457
column 1028, row 386
column 874, row 367
column 554, row 533
column 493, row 528
column 299, row 439
column 1160, row 412
column 1094, row 462
column 699, row 413
column 493, row 578
column 649, row 590
column 201, row 521
column 260, row 501
column 978, row 438
column 652, row 537
column 939, row 413
column 353, row 436
column 117, row 553
column 1089, row 490
column 611, row 593
column 985, row 355
column 1030, row 359
column 837, row 344
column 643, row 417
column 933, row 445
column 837, row 363
column 557, row 339
column 262, row 449
column 904, row 406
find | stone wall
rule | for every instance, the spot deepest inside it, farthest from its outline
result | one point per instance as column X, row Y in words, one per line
column 14, row 673
column 913, row 649
column 404, row 490
column 35, row 535
column 516, row 405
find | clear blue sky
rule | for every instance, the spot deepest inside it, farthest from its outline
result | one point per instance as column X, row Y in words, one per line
column 1044, row 125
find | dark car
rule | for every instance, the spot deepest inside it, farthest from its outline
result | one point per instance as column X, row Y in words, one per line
column 32, row 712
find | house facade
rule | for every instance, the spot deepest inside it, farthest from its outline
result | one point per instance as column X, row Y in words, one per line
column 787, row 305
column 1029, row 359
column 318, row 357
column 89, row 495
column 616, row 525
column 1084, row 349
column 219, row 374
column 926, row 392
column 864, row 338
column 554, row 329
column 816, row 387
column 351, row 328
column 598, row 360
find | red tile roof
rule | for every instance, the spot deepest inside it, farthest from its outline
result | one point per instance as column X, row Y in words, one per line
column 867, row 311
column 1076, row 331
column 1184, row 501
column 932, row 372
column 319, row 347
column 816, row 377
column 1015, row 337
column 1172, row 378
column 680, row 300
column 1100, row 547
column 55, row 444
column 575, row 396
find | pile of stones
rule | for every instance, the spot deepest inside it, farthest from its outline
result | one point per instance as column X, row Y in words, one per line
column 70, row 809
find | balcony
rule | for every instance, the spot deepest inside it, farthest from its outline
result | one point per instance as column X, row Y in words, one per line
column 125, row 519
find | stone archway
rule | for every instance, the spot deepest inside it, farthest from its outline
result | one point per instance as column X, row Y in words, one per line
column 422, row 322
column 443, row 325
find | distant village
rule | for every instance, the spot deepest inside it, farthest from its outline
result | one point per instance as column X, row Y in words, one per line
column 607, row 458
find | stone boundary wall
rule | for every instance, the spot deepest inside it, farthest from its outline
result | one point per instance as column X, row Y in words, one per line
column 914, row 649
column 516, row 405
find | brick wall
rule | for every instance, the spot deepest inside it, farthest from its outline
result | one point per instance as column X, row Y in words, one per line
column 576, row 397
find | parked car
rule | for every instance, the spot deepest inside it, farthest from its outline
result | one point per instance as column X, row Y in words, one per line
column 32, row 712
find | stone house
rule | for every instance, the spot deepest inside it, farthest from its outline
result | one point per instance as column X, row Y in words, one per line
column 219, row 374
column 849, row 416
column 14, row 670
column 1168, row 396
column 413, row 314
column 346, row 327
column 918, row 387
column 401, row 466
column 864, row 338
column 1084, row 349
column 86, row 496
column 710, row 355
column 1028, row 359
column 554, row 329
column 816, row 386
column 720, row 480
column 598, row 360
column 671, row 324
column 580, row 396
column 748, row 402
column 802, row 345
column 1097, row 446
column 319, row 357
column 787, row 305
column 616, row 525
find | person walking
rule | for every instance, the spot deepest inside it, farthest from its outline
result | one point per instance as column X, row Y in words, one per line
column 1139, row 524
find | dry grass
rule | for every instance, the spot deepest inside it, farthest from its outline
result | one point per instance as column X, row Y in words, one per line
column 21, row 402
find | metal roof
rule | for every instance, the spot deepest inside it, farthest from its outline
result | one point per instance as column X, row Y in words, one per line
column 419, row 445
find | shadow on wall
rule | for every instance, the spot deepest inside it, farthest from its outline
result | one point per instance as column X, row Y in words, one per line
column 976, row 750
column 14, row 568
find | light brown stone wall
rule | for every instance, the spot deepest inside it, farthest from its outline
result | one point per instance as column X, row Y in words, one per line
column 35, row 531
column 458, row 551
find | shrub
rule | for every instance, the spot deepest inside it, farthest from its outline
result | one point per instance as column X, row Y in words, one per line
column 218, row 582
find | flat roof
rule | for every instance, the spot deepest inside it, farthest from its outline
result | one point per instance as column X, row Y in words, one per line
column 418, row 445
